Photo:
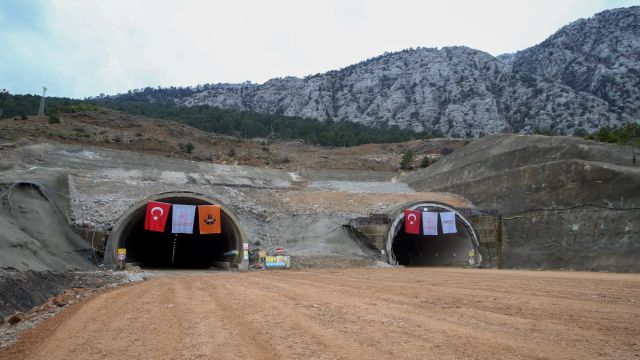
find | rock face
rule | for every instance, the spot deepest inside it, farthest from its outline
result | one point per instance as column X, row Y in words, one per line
column 599, row 56
column 566, row 202
column 585, row 76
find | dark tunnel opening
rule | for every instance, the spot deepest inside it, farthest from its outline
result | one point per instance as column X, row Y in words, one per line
column 150, row 249
column 456, row 249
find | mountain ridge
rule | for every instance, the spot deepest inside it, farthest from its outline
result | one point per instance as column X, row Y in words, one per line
column 461, row 91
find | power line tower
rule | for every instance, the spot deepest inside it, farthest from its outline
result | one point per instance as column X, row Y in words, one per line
column 41, row 109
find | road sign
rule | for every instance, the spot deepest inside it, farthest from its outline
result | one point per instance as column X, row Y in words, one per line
column 279, row 251
column 122, row 254
column 278, row 262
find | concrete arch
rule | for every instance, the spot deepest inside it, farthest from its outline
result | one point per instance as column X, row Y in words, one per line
column 129, row 222
column 398, row 219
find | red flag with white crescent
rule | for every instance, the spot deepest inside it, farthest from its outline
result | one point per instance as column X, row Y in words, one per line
column 157, row 215
column 412, row 222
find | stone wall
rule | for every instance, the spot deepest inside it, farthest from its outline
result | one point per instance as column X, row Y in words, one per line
column 489, row 237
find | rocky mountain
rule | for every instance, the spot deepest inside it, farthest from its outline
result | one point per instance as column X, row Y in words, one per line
column 599, row 56
column 585, row 76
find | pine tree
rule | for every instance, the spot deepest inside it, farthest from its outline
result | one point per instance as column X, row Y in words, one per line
column 407, row 158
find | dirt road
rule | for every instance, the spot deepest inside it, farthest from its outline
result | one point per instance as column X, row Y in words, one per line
column 351, row 314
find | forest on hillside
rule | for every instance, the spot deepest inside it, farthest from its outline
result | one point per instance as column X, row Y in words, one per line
column 243, row 124
column 247, row 124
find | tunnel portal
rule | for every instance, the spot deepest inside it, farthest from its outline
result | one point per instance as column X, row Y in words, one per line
column 151, row 249
column 456, row 249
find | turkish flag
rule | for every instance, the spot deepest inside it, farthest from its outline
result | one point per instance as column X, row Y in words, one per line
column 157, row 215
column 412, row 222
column 209, row 219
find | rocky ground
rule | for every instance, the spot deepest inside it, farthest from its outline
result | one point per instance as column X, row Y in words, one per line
column 68, row 289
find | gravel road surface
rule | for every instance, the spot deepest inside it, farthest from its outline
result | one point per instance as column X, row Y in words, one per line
column 416, row 313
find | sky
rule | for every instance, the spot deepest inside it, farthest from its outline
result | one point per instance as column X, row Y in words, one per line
column 85, row 48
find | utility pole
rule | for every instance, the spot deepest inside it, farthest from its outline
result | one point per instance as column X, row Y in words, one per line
column 41, row 109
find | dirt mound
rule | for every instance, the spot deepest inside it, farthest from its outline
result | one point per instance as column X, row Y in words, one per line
column 38, row 249
column 566, row 202
column 34, row 221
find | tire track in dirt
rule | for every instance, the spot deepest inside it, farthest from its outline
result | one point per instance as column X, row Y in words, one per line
column 323, row 334
column 475, row 297
column 411, row 324
column 492, row 320
column 350, row 314
column 311, row 340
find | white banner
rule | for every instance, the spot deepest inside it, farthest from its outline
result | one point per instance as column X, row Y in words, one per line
column 448, row 220
column 430, row 223
column 183, row 217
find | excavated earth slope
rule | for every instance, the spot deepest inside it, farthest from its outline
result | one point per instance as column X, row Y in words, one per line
column 566, row 202
column 38, row 249
column 304, row 211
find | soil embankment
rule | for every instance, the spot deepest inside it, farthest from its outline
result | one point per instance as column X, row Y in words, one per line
column 567, row 203
column 38, row 249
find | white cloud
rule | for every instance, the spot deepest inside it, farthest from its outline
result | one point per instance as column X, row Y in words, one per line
column 112, row 46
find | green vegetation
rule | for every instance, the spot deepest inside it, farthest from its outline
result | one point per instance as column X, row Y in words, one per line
column 244, row 124
column 628, row 134
column 425, row 162
column 18, row 105
column 247, row 124
column 407, row 159
column 188, row 147
column 23, row 105
column 446, row 151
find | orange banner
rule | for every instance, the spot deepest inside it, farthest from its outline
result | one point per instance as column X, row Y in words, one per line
column 209, row 219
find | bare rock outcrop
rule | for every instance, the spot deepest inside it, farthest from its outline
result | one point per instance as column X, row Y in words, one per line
column 585, row 76
column 598, row 56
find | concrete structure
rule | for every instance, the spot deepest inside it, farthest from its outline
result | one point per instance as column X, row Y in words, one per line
column 477, row 242
column 154, row 249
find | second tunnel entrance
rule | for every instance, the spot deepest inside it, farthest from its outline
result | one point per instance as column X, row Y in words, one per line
column 459, row 248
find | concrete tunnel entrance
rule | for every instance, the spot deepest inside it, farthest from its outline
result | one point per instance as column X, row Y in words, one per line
column 458, row 249
column 192, row 251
